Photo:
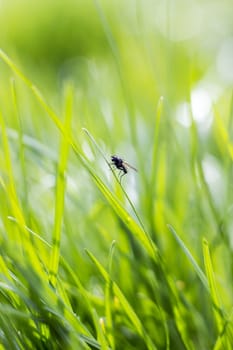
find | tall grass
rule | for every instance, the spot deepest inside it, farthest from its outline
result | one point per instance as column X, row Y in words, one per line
column 91, row 262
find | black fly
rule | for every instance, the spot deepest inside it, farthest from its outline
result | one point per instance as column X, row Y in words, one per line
column 121, row 165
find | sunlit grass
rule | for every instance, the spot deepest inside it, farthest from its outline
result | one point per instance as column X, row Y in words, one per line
column 91, row 262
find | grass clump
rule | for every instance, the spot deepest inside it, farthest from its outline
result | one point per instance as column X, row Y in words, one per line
column 91, row 262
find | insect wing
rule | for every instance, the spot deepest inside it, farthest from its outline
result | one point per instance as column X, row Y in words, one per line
column 129, row 166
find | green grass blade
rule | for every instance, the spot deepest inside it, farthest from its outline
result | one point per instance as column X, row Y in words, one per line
column 10, row 187
column 128, row 221
column 186, row 251
column 32, row 144
column 182, row 328
column 60, row 190
column 108, row 299
column 32, row 87
column 21, row 145
column 122, row 189
column 198, row 172
column 156, row 141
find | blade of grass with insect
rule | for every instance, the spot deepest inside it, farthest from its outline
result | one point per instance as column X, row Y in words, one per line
column 123, row 215
column 125, row 304
column 123, row 190
column 121, row 212
column 179, row 315
column 103, row 321
column 138, row 231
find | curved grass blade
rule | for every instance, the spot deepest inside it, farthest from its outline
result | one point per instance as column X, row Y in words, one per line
column 122, row 188
column 128, row 221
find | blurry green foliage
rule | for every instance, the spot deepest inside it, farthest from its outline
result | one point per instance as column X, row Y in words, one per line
column 152, row 81
column 51, row 32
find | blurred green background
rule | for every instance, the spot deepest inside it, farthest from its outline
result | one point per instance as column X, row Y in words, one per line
column 124, row 59
column 154, row 42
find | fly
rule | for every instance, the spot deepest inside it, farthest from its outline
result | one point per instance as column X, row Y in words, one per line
column 120, row 164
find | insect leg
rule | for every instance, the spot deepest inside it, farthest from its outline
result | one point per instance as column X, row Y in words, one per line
column 123, row 173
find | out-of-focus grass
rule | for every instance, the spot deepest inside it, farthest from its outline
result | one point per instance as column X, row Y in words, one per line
column 86, row 262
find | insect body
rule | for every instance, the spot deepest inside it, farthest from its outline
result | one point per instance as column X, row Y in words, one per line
column 121, row 165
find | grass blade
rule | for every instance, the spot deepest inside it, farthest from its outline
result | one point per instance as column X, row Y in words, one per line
column 190, row 258
column 60, row 191
column 108, row 299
